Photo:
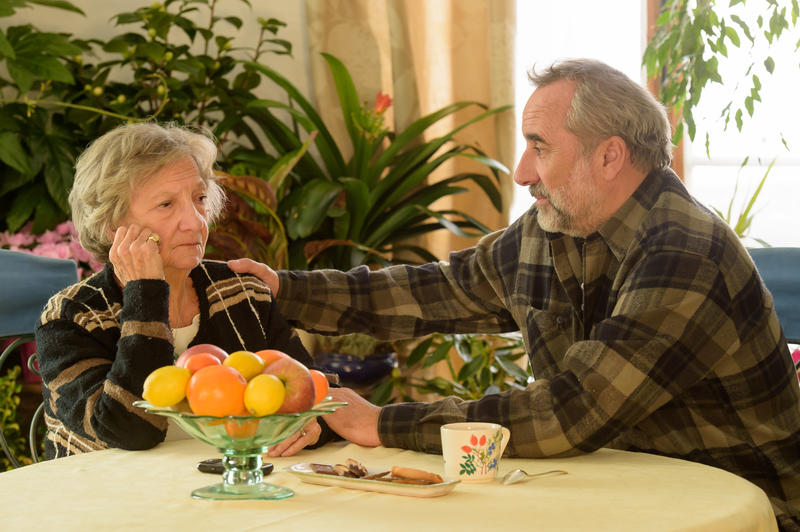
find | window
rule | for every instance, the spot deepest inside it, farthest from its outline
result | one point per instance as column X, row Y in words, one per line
column 548, row 31
column 713, row 181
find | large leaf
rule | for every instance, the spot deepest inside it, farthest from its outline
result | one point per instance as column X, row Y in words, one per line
column 348, row 97
column 60, row 4
column 23, row 205
column 13, row 154
column 5, row 47
column 306, row 207
column 334, row 161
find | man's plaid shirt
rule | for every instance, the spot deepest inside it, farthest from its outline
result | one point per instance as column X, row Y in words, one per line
column 654, row 334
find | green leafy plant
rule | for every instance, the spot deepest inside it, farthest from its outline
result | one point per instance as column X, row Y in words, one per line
column 691, row 40
column 63, row 91
column 741, row 222
column 10, row 389
column 341, row 213
column 489, row 366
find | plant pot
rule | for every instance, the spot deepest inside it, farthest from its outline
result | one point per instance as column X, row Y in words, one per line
column 357, row 371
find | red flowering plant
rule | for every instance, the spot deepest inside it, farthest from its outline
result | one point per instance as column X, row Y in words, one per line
column 60, row 243
column 796, row 360
column 343, row 211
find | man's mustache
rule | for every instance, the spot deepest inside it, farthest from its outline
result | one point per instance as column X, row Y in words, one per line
column 539, row 190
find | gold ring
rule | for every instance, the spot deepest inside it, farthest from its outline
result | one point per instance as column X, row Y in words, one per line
column 154, row 238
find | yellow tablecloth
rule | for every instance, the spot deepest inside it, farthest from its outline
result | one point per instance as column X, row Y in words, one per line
column 606, row 490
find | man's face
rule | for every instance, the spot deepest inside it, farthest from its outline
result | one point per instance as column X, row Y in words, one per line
column 560, row 178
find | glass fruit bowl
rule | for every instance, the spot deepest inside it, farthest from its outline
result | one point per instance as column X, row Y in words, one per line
column 242, row 440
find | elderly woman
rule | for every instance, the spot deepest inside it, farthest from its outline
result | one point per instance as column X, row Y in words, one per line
column 142, row 201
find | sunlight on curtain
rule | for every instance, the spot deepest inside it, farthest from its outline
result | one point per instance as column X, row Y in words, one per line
column 426, row 54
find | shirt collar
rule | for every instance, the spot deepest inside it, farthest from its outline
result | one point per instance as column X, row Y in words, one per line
column 619, row 230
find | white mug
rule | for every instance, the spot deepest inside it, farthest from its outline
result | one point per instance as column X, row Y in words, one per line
column 472, row 450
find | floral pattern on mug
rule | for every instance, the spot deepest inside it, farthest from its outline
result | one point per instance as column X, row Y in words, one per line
column 480, row 458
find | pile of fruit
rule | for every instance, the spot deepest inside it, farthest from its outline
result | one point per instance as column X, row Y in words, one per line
column 243, row 383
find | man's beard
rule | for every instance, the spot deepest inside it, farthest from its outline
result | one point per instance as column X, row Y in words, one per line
column 571, row 209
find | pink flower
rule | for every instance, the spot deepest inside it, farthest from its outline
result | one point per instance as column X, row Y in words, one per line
column 466, row 448
column 56, row 251
column 382, row 102
column 483, row 440
column 78, row 253
column 473, row 440
column 796, row 356
column 65, row 228
column 49, row 237
column 20, row 239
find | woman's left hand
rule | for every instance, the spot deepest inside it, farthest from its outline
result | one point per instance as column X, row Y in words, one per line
column 308, row 435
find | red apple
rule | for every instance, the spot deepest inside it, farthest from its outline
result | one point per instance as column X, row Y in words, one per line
column 299, row 384
column 201, row 348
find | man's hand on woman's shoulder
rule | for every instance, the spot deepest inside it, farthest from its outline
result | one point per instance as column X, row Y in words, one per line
column 262, row 271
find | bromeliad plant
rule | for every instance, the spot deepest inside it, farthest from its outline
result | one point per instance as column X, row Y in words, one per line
column 342, row 213
column 489, row 366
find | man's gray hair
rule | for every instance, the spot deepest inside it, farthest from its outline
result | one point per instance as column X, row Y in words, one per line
column 608, row 103
column 122, row 159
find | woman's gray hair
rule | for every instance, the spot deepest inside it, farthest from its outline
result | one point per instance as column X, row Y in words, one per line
column 608, row 103
column 115, row 163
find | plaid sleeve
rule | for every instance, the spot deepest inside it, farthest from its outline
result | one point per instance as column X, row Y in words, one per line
column 633, row 363
column 463, row 295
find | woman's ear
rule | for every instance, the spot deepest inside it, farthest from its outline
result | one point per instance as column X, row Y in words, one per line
column 614, row 153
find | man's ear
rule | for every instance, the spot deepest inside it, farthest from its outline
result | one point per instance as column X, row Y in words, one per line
column 613, row 153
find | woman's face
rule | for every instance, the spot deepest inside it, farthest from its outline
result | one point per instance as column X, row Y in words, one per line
column 172, row 204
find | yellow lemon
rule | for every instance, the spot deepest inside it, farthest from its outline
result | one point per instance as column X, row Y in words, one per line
column 166, row 386
column 264, row 395
column 247, row 363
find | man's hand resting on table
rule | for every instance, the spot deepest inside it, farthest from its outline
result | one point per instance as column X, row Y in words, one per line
column 262, row 271
column 356, row 422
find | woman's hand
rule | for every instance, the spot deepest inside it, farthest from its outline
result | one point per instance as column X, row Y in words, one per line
column 134, row 254
column 308, row 435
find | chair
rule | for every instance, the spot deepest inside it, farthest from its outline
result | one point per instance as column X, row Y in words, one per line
column 780, row 270
column 26, row 283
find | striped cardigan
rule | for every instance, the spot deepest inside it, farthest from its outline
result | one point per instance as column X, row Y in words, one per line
column 98, row 342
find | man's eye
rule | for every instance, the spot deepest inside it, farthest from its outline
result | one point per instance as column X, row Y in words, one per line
column 165, row 204
column 537, row 149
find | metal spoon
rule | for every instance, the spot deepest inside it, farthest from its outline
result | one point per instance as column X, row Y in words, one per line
column 518, row 475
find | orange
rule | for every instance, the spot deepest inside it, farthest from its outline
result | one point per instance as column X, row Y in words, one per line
column 246, row 362
column 216, row 391
column 241, row 428
column 271, row 355
column 320, row 385
column 165, row 386
column 201, row 360
column 264, row 395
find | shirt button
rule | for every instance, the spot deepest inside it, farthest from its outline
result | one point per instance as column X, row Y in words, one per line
column 581, row 286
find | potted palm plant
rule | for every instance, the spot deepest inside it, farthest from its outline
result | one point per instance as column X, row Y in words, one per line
column 342, row 213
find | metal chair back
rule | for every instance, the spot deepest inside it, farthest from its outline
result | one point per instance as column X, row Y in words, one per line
column 26, row 283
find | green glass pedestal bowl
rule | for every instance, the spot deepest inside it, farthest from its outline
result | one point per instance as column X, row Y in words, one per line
column 242, row 440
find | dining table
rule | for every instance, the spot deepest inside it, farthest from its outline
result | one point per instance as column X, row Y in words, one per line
column 611, row 490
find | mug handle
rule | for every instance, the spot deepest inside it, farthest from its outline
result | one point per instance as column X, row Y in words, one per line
column 506, row 438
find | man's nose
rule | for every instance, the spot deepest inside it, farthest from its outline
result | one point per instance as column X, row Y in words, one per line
column 525, row 174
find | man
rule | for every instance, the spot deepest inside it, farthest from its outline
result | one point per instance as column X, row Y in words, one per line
column 647, row 326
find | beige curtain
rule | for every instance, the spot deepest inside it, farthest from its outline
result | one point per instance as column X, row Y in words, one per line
column 426, row 54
